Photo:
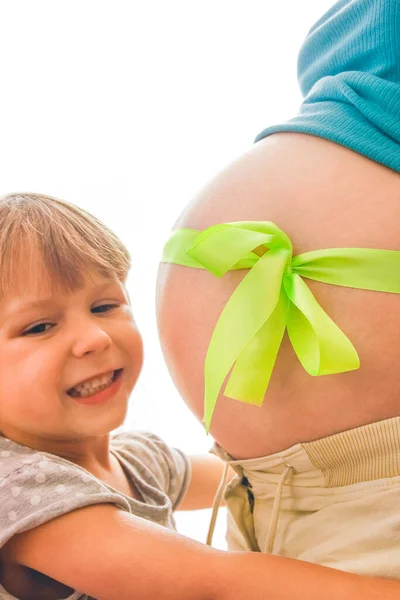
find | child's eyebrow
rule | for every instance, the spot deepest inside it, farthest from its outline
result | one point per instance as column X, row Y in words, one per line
column 20, row 308
column 34, row 304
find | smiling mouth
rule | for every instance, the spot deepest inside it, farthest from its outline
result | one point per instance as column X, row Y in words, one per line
column 92, row 386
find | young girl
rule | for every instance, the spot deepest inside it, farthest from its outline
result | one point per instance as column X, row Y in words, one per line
column 84, row 513
column 70, row 355
column 318, row 462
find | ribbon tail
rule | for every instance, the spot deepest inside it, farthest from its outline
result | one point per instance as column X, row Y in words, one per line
column 250, row 305
column 252, row 371
column 320, row 345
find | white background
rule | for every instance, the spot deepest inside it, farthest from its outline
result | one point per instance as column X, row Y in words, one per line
column 127, row 108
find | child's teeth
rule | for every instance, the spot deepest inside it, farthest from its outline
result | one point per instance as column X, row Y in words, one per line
column 90, row 387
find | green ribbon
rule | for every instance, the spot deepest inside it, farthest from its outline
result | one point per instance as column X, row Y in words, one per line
column 273, row 297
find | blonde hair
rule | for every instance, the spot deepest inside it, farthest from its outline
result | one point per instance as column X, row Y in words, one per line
column 68, row 241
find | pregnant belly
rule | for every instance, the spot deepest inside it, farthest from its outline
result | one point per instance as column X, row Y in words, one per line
column 323, row 196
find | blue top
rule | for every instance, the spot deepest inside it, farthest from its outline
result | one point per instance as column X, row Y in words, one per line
column 349, row 75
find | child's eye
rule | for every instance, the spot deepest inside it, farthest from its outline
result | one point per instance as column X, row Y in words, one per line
column 103, row 308
column 37, row 329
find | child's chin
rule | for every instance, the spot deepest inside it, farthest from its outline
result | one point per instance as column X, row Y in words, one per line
column 103, row 424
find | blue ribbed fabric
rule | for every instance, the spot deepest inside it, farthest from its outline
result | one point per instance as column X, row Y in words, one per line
column 349, row 75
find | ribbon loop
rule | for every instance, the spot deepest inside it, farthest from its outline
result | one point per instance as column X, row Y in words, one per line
column 273, row 297
column 219, row 248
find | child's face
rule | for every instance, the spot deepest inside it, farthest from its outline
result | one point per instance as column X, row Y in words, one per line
column 51, row 346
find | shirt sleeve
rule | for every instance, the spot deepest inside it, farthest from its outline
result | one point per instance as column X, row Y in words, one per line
column 162, row 466
column 36, row 487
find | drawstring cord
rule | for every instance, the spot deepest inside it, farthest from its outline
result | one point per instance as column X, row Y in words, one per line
column 270, row 539
column 216, row 504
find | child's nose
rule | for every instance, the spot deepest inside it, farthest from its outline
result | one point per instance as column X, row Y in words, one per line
column 91, row 339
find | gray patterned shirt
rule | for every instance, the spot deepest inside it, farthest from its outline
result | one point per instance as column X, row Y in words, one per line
column 36, row 487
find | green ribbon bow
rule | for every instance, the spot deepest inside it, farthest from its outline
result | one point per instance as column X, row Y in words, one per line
column 273, row 297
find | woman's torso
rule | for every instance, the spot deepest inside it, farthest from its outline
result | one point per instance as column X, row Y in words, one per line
column 322, row 195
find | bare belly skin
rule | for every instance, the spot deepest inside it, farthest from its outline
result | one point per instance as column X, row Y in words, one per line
column 322, row 195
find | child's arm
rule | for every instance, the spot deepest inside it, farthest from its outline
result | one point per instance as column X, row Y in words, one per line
column 112, row 555
column 268, row 577
column 206, row 476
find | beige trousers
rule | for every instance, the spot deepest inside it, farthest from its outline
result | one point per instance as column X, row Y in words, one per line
column 335, row 501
